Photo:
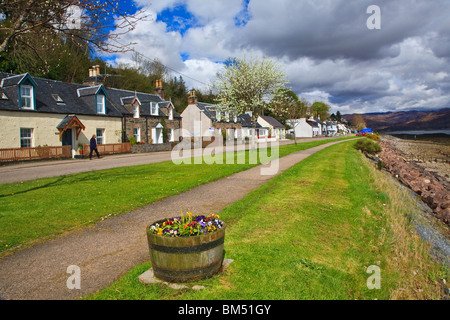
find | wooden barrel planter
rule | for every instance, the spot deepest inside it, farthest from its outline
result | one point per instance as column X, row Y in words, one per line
column 185, row 259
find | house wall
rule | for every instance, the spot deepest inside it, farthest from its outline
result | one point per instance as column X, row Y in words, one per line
column 303, row 129
column 146, row 124
column 279, row 133
column 45, row 131
column 191, row 119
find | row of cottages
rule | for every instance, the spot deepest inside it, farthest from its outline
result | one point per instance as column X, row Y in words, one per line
column 313, row 127
column 40, row 112
column 207, row 120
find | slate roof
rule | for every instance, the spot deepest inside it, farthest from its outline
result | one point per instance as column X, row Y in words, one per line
column 273, row 122
column 206, row 108
column 246, row 121
column 312, row 123
column 76, row 98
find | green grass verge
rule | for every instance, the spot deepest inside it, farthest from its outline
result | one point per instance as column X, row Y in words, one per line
column 309, row 233
column 39, row 209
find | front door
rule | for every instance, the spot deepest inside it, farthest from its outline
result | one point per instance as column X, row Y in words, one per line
column 67, row 138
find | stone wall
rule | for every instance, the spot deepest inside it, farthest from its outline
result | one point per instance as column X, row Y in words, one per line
column 431, row 187
column 145, row 148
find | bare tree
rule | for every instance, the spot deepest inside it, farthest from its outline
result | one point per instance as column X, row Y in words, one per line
column 288, row 107
column 97, row 23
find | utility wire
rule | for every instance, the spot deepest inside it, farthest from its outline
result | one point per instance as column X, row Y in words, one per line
column 153, row 59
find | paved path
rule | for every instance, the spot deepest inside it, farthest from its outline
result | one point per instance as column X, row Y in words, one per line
column 109, row 249
column 44, row 169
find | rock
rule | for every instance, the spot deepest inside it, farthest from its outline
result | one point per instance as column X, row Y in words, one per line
column 434, row 192
column 148, row 277
column 176, row 286
column 197, row 288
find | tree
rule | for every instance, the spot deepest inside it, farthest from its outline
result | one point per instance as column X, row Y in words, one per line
column 248, row 84
column 358, row 122
column 289, row 108
column 79, row 21
column 320, row 110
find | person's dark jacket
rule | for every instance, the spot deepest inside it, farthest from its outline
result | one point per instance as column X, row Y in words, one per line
column 93, row 143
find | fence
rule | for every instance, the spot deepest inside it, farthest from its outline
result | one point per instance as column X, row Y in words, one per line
column 109, row 148
column 37, row 153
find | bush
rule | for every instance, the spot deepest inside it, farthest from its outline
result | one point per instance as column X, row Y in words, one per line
column 367, row 146
column 373, row 136
column 133, row 140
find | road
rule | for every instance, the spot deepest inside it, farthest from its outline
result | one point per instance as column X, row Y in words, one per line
column 53, row 168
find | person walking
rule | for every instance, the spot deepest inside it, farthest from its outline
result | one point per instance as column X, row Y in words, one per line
column 93, row 145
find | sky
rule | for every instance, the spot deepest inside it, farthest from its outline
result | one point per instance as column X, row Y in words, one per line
column 325, row 47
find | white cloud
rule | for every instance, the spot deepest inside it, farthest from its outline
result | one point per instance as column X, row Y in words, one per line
column 324, row 46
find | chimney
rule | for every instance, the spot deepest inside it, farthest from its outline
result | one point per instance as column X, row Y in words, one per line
column 95, row 78
column 192, row 99
column 159, row 90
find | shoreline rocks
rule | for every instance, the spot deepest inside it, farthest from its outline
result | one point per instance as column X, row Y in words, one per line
column 433, row 189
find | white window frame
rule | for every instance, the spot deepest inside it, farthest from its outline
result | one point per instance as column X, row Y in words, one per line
column 136, row 111
column 29, row 97
column 100, row 133
column 170, row 114
column 100, row 104
column 137, row 134
column 172, row 136
column 154, row 105
column 26, row 138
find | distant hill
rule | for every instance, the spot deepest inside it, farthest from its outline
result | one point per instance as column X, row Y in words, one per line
column 406, row 120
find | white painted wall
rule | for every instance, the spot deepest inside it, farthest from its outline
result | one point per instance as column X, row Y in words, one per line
column 191, row 122
column 45, row 132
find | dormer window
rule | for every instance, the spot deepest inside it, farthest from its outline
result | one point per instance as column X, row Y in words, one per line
column 26, row 97
column 100, row 103
column 154, row 108
column 136, row 111
column 170, row 114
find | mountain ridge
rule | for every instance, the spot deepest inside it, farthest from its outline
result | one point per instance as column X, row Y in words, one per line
column 405, row 120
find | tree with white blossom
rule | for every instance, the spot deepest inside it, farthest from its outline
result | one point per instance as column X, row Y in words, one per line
column 249, row 84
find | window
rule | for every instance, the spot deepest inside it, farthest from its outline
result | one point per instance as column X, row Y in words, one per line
column 137, row 134
column 26, row 137
column 170, row 114
column 26, row 97
column 172, row 136
column 154, row 108
column 57, row 98
column 100, row 136
column 100, row 101
column 136, row 111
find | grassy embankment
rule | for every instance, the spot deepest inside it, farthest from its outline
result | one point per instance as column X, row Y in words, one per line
column 311, row 233
column 36, row 210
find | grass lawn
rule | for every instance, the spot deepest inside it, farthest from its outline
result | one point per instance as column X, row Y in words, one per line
column 311, row 233
column 36, row 210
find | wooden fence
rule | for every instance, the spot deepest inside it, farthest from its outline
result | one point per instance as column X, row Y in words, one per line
column 37, row 153
column 108, row 148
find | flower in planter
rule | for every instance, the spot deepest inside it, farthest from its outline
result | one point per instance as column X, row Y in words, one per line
column 188, row 225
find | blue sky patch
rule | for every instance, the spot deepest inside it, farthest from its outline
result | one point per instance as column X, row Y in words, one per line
column 177, row 19
column 243, row 16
